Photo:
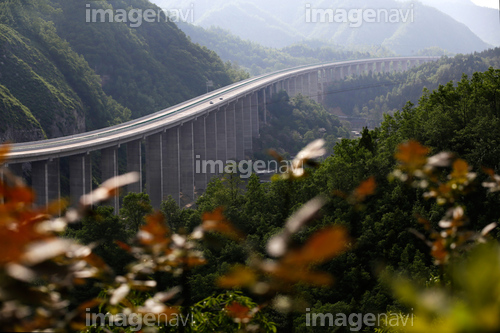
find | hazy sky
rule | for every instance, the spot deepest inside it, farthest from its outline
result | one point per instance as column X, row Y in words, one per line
column 487, row 3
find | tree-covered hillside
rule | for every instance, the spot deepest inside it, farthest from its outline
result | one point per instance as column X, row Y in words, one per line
column 54, row 84
column 72, row 75
column 259, row 59
column 371, row 95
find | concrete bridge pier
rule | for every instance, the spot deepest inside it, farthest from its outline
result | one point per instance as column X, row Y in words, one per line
column 46, row 179
column 337, row 76
column 378, row 67
column 200, row 152
column 247, row 125
column 403, row 65
column 313, row 86
column 221, row 134
column 240, row 145
column 387, row 66
column 154, row 168
column 80, row 176
column 187, row 160
column 211, row 141
column 354, row 70
column 305, row 84
column 293, row 86
column 109, row 169
column 299, row 83
column 346, row 71
column 134, row 164
column 231, row 130
column 254, row 99
column 263, row 105
column 413, row 63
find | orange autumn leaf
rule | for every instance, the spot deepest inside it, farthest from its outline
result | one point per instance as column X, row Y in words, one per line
column 439, row 251
column 297, row 273
column 123, row 246
column 239, row 276
column 155, row 231
column 20, row 194
column 15, row 238
column 323, row 245
column 365, row 189
column 215, row 221
column 4, row 152
column 238, row 311
column 193, row 261
column 460, row 170
column 412, row 155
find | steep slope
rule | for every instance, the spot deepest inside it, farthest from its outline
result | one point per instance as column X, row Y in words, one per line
column 47, row 79
column 18, row 124
column 72, row 75
column 146, row 68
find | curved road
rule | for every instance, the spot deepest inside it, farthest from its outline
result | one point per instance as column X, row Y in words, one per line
column 170, row 117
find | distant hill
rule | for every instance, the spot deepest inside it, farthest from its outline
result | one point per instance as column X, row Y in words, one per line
column 258, row 59
column 279, row 23
column 61, row 75
column 484, row 22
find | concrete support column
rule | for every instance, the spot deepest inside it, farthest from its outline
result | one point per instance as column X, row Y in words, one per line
column 247, row 125
column 338, row 73
column 366, row 68
column 187, row 161
column 134, row 164
column 404, row 65
column 346, row 71
column 255, row 113
column 221, row 135
column 171, row 164
column 109, row 170
column 313, row 77
column 200, row 152
column 305, row 84
column 231, row 131
column 263, row 103
column 378, row 67
column 387, row 66
column 299, row 82
column 46, row 181
column 211, row 137
column 292, row 90
column 413, row 63
column 80, row 176
column 154, row 169
column 354, row 70
column 329, row 75
column 240, row 145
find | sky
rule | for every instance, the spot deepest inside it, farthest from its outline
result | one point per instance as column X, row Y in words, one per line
column 487, row 3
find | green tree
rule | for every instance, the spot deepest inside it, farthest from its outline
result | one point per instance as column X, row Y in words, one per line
column 134, row 208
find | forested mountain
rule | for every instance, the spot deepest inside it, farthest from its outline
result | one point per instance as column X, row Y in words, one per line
column 277, row 24
column 372, row 95
column 54, row 87
column 260, row 59
column 480, row 20
column 72, row 75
